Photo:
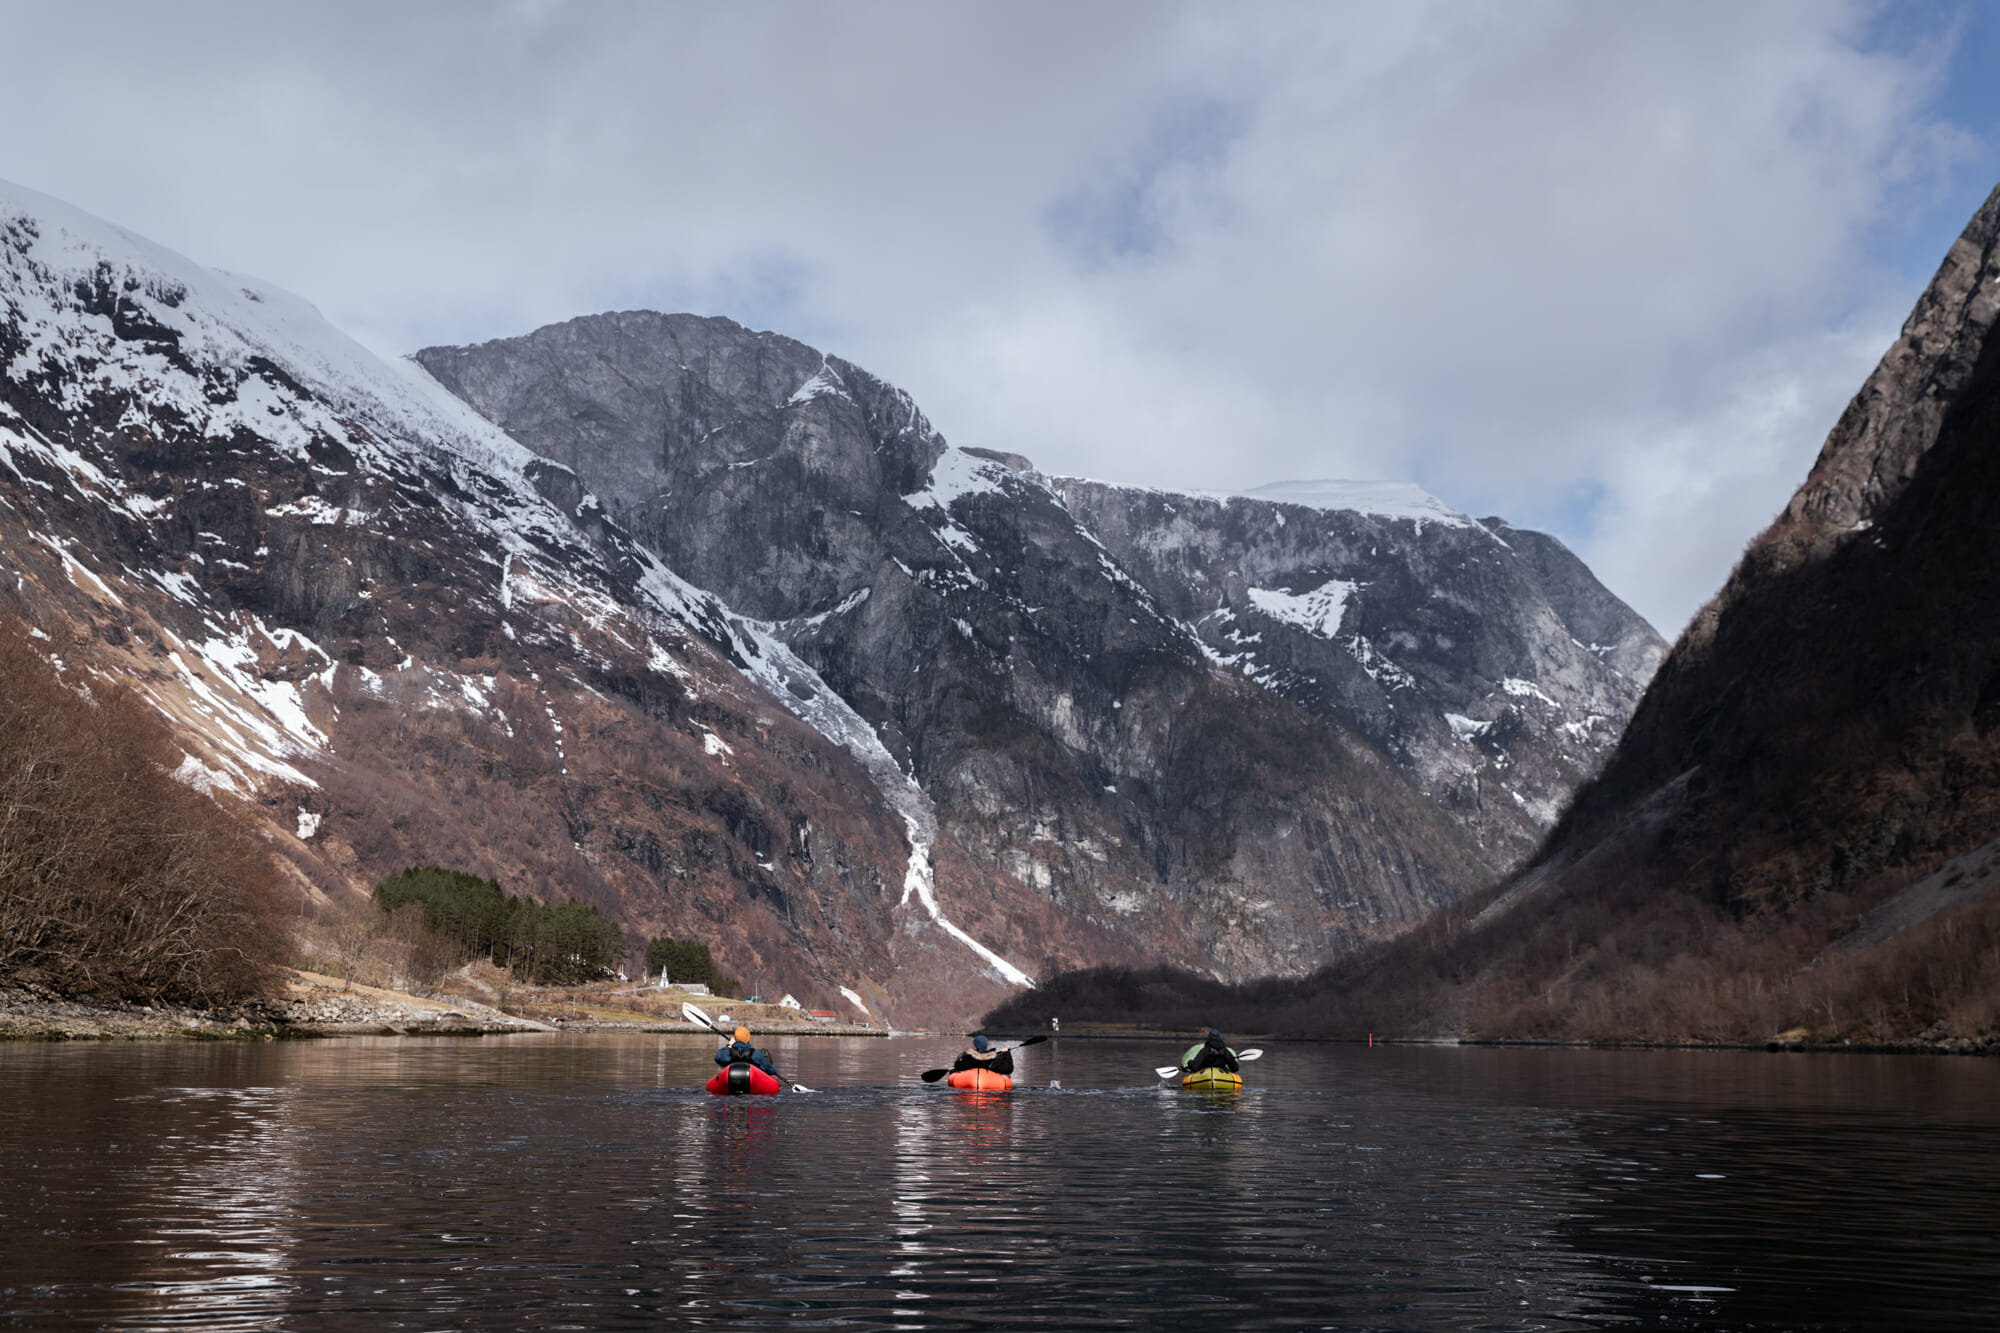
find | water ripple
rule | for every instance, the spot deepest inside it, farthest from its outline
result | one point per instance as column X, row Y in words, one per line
column 587, row 1183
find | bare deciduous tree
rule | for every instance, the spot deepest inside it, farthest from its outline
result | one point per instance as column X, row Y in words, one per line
column 116, row 880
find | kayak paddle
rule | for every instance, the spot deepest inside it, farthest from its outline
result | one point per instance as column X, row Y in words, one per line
column 694, row 1015
column 933, row 1075
column 1168, row 1071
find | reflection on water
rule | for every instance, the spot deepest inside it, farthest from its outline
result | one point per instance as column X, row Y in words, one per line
column 589, row 1183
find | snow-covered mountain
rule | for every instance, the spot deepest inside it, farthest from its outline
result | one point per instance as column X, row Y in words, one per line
column 403, row 638
column 1486, row 660
column 715, row 632
column 1063, row 666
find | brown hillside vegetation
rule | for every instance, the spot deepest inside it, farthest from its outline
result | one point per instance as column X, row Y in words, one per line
column 117, row 881
column 1692, row 976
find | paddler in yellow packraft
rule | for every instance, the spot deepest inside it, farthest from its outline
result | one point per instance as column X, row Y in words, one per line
column 1210, row 1063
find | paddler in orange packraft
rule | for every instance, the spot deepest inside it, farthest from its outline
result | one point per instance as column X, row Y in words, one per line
column 979, row 1066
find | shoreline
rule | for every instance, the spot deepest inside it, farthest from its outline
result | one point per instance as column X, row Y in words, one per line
column 315, row 1007
column 1783, row 1043
column 311, row 1006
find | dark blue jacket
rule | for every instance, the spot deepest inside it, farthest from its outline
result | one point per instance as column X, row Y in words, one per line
column 737, row 1051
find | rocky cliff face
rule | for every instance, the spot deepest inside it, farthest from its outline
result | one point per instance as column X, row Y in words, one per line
column 1071, row 733
column 1486, row 660
column 1276, row 727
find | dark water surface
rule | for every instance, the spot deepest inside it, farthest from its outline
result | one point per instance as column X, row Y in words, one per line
column 588, row 1182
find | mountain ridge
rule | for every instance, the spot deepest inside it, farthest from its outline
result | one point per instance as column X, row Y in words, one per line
column 1023, row 677
column 914, row 591
column 930, row 741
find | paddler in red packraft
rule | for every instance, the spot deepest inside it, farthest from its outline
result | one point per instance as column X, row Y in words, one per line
column 740, row 1054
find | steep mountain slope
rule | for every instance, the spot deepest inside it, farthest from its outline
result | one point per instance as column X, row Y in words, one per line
column 1072, row 734
column 1485, row 659
column 1829, row 714
column 406, row 638
column 1798, row 829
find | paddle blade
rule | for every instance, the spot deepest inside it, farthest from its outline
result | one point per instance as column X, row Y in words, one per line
column 694, row 1015
column 1038, row 1037
column 1251, row 1054
column 933, row 1075
column 1166, row 1071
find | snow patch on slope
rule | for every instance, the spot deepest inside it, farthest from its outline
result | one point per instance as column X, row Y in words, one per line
column 318, row 512
column 958, row 473
column 1465, row 728
column 1526, row 689
column 823, row 384
column 918, row 879
column 1379, row 668
column 1316, row 612
column 1381, row 499
column 257, row 725
column 807, row 624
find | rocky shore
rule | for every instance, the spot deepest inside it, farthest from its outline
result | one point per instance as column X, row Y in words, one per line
column 1935, row 1040
column 315, row 1005
column 309, row 1006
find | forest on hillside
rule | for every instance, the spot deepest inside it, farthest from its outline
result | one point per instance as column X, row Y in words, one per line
column 467, row 917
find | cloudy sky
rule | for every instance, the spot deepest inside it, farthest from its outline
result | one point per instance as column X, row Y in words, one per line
column 1610, row 270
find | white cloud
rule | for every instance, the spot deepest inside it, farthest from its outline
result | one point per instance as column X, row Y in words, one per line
column 1572, row 263
column 1682, row 494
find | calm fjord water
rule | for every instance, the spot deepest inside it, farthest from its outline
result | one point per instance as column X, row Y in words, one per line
column 588, row 1183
